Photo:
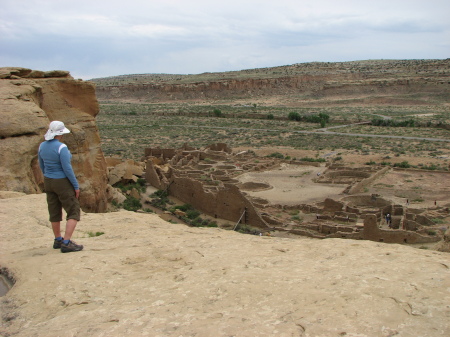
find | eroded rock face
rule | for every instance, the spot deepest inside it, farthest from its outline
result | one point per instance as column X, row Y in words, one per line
column 30, row 101
column 382, row 79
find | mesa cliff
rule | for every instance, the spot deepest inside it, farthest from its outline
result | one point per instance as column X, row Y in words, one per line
column 30, row 100
column 376, row 81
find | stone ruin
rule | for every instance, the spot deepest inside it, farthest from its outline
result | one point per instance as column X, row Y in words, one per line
column 361, row 217
column 207, row 180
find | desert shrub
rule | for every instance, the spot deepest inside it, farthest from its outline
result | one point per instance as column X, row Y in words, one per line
column 159, row 199
column 192, row 213
column 294, row 116
column 270, row 116
column 199, row 222
column 160, row 194
column 217, row 112
column 393, row 123
column 431, row 167
column 276, row 155
column 139, row 185
column 207, row 223
column 132, row 204
column 92, row 234
column 403, row 164
column 309, row 159
column 247, row 229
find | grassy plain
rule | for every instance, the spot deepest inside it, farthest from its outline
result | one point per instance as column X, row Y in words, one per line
column 126, row 129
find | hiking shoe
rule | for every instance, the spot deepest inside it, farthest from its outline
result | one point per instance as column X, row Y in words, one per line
column 57, row 244
column 70, row 247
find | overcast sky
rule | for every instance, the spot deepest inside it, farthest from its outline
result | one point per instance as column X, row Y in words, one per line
column 99, row 38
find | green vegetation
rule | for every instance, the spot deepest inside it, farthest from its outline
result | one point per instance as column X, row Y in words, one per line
column 247, row 229
column 92, row 234
column 276, row 155
column 403, row 164
column 321, row 118
column 132, row 204
column 174, row 124
column 139, row 186
column 217, row 112
column 160, row 199
column 393, row 123
column 313, row 160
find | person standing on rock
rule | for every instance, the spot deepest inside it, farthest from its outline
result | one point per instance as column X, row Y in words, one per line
column 60, row 185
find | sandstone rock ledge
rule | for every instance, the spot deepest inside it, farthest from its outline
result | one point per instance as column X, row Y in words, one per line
column 145, row 276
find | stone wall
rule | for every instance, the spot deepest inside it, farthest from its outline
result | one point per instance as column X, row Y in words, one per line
column 358, row 187
column 227, row 203
column 188, row 177
column 373, row 233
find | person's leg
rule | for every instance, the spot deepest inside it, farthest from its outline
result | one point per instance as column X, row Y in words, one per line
column 70, row 228
column 71, row 205
column 68, row 245
column 54, row 210
column 56, row 227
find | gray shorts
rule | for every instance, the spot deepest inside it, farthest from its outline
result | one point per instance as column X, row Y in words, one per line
column 60, row 194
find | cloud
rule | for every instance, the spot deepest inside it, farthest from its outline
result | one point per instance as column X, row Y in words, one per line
column 102, row 38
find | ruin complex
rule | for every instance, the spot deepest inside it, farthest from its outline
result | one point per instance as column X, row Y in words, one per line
column 208, row 180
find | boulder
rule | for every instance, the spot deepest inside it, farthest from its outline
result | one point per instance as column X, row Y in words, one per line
column 126, row 171
column 180, row 213
column 114, row 194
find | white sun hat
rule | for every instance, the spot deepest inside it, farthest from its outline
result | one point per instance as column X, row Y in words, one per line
column 56, row 128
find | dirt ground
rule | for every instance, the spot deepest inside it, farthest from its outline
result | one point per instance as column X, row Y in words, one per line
column 419, row 187
column 292, row 184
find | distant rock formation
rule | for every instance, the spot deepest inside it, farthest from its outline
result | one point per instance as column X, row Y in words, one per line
column 30, row 100
column 371, row 82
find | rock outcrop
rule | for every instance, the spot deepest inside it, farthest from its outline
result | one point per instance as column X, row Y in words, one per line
column 148, row 277
column 30, row 100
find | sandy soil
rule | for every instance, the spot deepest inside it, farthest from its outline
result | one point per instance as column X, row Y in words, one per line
column 294, row 184
column 148, row 277
column 420, row 188
column 291, row 185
